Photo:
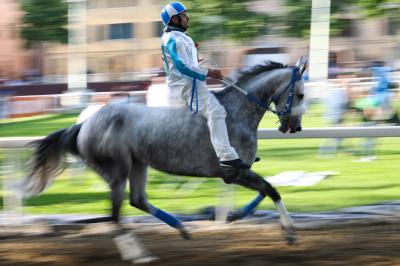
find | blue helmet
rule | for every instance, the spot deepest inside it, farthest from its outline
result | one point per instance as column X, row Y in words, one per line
column 172, row 9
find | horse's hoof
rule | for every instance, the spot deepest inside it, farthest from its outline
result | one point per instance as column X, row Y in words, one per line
column 185, row 234
column 233, row 216
column 291, row 239
column 290, row 235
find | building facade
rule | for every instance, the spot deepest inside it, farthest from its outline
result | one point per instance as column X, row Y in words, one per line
column 15, row 60
column 122, row 37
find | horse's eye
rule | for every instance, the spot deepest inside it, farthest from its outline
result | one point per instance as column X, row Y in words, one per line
column 301, row 96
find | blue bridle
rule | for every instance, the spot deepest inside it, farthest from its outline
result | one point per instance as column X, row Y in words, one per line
column 289, row 102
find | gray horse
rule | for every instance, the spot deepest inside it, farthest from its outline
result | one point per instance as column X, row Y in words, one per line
column 121, row 141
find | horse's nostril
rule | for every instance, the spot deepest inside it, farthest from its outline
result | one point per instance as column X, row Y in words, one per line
column 298, row 128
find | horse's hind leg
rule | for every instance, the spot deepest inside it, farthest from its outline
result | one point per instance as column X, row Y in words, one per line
column 117, row 183
column 138, row 199
column 117, row 197
column 249, row 179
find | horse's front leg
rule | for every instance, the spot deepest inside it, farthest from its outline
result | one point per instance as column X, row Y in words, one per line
column 249, row 179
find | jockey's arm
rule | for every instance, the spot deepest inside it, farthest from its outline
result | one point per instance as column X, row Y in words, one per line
column 180, row 59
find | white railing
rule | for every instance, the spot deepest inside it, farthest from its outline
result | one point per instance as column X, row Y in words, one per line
column 334, row 132
column 326, row 132
column 16, row 142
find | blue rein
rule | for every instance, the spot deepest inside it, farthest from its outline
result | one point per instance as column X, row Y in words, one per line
column 286, row 110
column 288, row 106
column 194, row 95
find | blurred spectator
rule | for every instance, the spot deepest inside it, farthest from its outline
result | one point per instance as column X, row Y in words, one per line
column 333, row 68
column 376, row 107
column 336, row 105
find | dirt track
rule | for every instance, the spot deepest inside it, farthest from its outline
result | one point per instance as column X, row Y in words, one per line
column 377, row 243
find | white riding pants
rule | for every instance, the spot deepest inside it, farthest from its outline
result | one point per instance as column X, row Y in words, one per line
column 214, row 112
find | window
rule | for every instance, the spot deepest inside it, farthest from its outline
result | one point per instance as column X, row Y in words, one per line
column 121, row 31
column 394, row 26
column 121, row 3
column 158, row 29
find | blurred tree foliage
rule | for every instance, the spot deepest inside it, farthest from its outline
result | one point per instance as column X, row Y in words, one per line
column 44, row 21
column 225, row 19
column 298, row 18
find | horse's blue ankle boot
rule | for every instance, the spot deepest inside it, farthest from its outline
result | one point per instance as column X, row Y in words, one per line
column 237, row 163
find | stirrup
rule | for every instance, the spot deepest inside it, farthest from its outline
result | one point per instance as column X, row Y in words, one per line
column 237, row 163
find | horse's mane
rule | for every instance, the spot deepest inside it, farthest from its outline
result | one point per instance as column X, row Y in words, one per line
column 246, row 75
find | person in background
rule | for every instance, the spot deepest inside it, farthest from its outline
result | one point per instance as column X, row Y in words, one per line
column 336, row 105
column 376, row 106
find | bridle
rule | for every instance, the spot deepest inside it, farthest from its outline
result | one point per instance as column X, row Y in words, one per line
column 297, row 72
column 289, row 102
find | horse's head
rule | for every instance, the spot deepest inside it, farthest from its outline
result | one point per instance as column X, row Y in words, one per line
column 289, row 99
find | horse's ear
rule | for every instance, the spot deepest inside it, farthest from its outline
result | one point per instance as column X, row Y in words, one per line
column 302, row 64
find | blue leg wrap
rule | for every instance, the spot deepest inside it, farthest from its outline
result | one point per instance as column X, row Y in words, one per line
column 252, row 205
column 166, row 217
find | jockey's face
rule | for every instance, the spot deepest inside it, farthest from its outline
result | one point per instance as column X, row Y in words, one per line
column 181, row 20
column 184, row 20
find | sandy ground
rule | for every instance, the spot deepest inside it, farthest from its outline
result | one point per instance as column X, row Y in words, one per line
column 359, row 243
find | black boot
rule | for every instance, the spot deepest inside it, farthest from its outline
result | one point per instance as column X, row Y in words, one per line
column 237, row 163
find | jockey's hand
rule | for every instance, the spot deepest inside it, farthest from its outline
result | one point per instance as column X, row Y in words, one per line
column 215, row 74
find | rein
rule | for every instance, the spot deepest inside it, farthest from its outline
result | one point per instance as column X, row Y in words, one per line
column 288, row 106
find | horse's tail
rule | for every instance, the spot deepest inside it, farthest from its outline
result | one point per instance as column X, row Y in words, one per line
column 45, row 163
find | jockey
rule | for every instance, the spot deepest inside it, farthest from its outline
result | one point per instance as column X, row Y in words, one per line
column 187, row 78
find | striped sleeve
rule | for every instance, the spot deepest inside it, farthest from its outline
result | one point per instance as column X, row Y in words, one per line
column 182, row 65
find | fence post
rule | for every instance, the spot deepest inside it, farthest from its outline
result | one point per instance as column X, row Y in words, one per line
column 12, row 199
column 226, row 202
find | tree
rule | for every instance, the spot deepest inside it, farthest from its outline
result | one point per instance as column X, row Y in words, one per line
column 44, row 21
column 225, row 19
column 298, row 18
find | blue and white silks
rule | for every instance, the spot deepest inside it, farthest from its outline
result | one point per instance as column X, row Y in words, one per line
column 181, row 64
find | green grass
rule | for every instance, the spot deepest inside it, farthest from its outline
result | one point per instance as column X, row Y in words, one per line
column 356, row 184
column 36, row 126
